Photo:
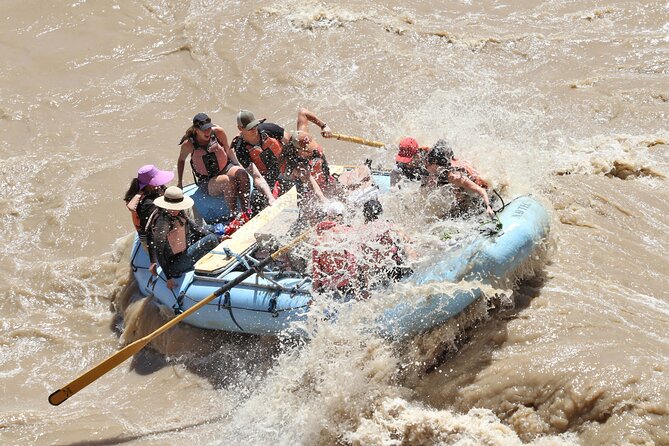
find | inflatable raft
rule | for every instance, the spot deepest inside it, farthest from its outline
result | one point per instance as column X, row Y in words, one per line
column 269, row 301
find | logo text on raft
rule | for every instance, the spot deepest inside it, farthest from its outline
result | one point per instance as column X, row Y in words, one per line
column 521, row 209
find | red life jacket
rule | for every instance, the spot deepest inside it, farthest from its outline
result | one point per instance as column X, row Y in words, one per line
column 332, row 268
column 381, row 253
column 366, row 263
column 319, row 168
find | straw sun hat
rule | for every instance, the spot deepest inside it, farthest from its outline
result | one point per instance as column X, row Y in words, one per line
column 174, row 200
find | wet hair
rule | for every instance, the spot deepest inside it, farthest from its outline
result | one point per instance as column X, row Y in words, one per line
column 372, row 209
column 441, row 153
column 190, row 133
column 296, row 136
column 133, row 190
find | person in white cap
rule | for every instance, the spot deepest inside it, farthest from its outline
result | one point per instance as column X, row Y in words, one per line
column 213, row 163
column 176, row 242
column 144, row 189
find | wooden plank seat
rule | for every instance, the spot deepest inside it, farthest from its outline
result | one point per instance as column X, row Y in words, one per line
column 275, row 219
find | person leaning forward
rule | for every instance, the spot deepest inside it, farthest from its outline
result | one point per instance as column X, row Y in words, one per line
column 306, row 151
column 410, row 162
column 307, row 166
column 260, row 153
column 176, row 242
column 213, row 163
column 305, row 155
column 445, row 168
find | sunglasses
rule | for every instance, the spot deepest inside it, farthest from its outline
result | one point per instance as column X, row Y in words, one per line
column 206, row 121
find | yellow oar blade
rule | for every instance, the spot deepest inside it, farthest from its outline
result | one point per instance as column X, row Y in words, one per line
column 357, row 140
column 105, row 366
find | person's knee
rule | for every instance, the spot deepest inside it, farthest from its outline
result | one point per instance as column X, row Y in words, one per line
column 210, row 241
column 241, row 177
column 217, row 186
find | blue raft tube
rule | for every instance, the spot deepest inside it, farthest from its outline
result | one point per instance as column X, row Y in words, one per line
column 271, row 302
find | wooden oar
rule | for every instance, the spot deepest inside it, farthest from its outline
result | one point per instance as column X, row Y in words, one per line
column 357, row 140
column 108, row 364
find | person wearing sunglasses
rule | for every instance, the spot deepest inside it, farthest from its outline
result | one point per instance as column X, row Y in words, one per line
column 149, row 184
column 215, row 165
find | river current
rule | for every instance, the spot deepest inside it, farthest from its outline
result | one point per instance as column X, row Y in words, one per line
column 568, row 100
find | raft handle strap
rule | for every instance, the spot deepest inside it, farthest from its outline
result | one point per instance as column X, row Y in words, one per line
column 132, row 261
column 272, row 306
column 240, row 259
column 500, row 199
column 227, row 304
column 177, row 307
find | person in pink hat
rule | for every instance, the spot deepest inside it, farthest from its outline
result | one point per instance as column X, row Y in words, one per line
column 149, row 184
column 410, row 162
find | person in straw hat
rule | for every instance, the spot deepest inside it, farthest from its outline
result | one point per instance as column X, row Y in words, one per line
column 176, row 241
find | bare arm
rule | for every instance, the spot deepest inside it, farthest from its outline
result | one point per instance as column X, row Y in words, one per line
column 306, row 177
column 186, row 149
column 222, row 138
column 232, row 155
column 457, row 179
column 305, row 116
column 259, row 182
column 317, row 189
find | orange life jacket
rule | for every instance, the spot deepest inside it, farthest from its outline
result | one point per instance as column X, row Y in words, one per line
column 132, row 206
column 209, row 161
column 266, row 156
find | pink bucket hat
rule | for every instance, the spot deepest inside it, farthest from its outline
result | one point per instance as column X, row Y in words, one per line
column 151, row 175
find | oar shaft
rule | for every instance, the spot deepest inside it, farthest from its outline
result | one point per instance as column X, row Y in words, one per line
column 357, row 140
column 105, row 366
